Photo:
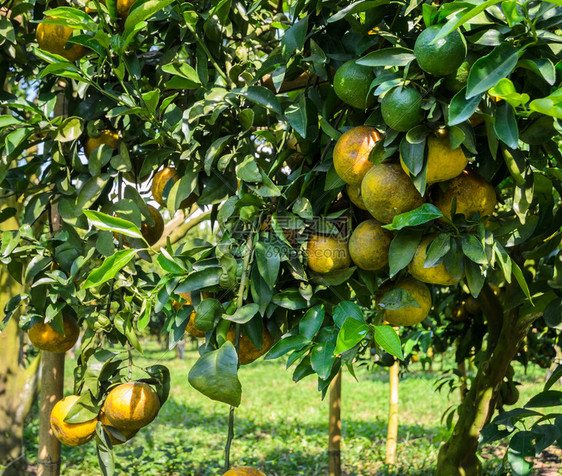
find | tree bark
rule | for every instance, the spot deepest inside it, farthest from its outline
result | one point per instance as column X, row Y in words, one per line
column 334, row 430
column 392, row 433
column 457, row 457
column 18, row 384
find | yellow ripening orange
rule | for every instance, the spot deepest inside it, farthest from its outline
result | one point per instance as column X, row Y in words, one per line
column 473, row 194
column 369, row 245
column 107, row 137
column 410, row 315
column 127, row 434
column 247, row 351
column 163, row 182
column 437, row 274
column 52, row 38
column 152, row 233
column 44, row 337
column 387, row 191
column 351, row 153
column 327, row 253
column 71, row 434
column 131, row 406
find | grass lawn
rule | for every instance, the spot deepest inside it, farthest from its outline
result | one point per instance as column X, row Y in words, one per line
column 281, row 427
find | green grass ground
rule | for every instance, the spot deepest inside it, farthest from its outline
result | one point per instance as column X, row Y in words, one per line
column 281, row 426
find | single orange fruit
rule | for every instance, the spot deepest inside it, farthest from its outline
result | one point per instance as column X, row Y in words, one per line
column 52, row 38
column 110, row 138
column 351, row 153
column 44, row 337
column 247, row 351
column 163, row 182
column 410, row 315
column 126, row 434
column 387, row 191
column 437, row 274
column 71, row 434
column 244, row 471
column 327, row 253
column 472, row 193
column 369, row 245
column 354, row 195
column 191, row 328
column 131, row 406
column 152, row 233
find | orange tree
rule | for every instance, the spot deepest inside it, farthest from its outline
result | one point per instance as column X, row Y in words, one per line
column 457, row 158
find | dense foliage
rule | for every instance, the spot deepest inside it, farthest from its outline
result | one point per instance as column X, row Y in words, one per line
column 238, row 98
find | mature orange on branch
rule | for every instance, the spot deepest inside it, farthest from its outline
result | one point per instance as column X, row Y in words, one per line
column 247, row 351
column 327, row 253
column 244, row 471
column 53, row 38
column 369, row 245
column 44, row 337
column 351, row 153
column 131, row 406
column 71, row 434
column 162, row 184
column 437, row 274
column 107, row 137
column 412, row 314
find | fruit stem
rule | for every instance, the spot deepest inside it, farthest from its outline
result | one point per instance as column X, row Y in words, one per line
column 229, row 439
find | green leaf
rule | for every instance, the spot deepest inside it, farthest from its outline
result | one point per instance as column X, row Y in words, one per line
column 184, row 76
column 437, row 249
column 460, row 108
column 412, row 154
column 402, row 249
column 268, row 261
column 550, row 105
column 419, row 216
column 542, row 67
column 248, row 170
column 397, row 298
column 504, row 260
column 285, row 345
column 294, row 38
column 387, row 338
column 215, row 375
column 474, row 277
column 520, row 447
column 347, row 309
column 506, row 90
column 473, row 248
column 395, row 56
column 549, row 398
column 553, row 314
column 70, row 129
column 487, row 71
column 109, row 223
column 505, row 125
column 243, row 314
column 554, row 377
column 351, row 333
column 109, row 268
column 357, row 7
column 322, row 358
column 104, row 450
column 199, row 279
column 297, row 117
column 82, row 410
column 521, row 280
column 312, row 321
column 262, row 96
column 208, row 315
column 139, row 14
column 91, row 191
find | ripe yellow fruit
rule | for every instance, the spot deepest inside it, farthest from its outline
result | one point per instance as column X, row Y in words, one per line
column 123, row 7
column 327, row 253
column 351, row 153
column 131, row 406
column 128, row 434
column 387, row 191
column 369, row 245
column 163, row 182
column 436, row 274
column 71, row 434
column 411, row 315
column 110, row 138
column 52, row 38
column 191, row 328
column 244, row 471
column 354, row 194
column 443, row 163
column 472, row 192
column 247, row 351
column 44, row 337
column 152, row 233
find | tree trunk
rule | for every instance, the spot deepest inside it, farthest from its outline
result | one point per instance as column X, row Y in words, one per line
column 457, row 457
column 334, row 430
column 18, row 384
column 392, row 433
